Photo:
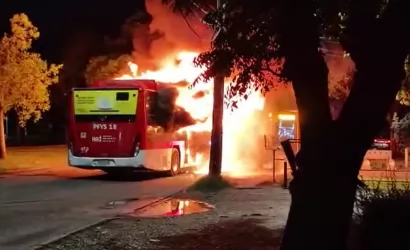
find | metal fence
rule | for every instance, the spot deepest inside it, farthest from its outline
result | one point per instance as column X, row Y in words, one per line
column 289, row 149
column 282, row 150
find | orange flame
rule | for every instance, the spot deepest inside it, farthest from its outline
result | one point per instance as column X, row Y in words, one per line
column 237, row 124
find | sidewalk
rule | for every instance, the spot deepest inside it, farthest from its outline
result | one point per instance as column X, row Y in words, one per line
column 42, row 160
column 33, row 159
column 242, row 218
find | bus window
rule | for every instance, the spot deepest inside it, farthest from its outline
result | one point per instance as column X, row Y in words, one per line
column 154, row 131
column 150, row 103
column 122, row 96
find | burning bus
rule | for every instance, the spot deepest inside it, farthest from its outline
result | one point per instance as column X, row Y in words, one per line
column 122, row 125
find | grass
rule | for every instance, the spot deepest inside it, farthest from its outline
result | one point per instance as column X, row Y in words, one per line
column 210, row 184
column 386, row 183
column 26, row 159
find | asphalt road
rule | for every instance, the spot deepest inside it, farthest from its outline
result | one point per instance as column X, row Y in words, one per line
column 42, row 206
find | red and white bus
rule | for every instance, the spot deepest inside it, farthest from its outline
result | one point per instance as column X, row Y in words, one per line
column 111, row 129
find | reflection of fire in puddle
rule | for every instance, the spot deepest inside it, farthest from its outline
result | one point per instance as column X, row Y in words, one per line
column 175, row 207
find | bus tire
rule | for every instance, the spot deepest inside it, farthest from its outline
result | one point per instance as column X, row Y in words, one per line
column 175, row 162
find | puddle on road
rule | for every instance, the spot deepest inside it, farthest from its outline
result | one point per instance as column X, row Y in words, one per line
column 175, row 207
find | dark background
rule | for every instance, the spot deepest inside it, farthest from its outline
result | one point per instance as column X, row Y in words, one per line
column 70, row 33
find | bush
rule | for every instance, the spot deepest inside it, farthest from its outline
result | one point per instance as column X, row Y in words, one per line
column 210, row 184
column 382, row 214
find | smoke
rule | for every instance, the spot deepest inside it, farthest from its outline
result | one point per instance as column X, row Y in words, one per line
column 166, row 113
column 168, row 34
column 164, row 35
column 179, row 33
column 247, row 150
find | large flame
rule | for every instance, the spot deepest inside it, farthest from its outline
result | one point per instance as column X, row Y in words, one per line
column 239, row 125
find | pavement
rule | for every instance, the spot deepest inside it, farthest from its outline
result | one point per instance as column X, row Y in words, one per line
column 43, row 203
column 41, row 200
column 248, row 216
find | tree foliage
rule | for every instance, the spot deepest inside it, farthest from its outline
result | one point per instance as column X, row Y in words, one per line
column 106, row 67
column 187, row 7
column 260, row 42
column 401, row 130
column 260, row 25
column 403, row 96
column 340, row 84
column 24, row 76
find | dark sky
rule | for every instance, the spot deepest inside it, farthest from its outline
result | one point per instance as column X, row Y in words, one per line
column 61, row 21
column 69, row 33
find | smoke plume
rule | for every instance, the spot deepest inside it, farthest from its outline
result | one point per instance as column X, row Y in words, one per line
column 164, row 35
column 166, row 113
column 179, row 33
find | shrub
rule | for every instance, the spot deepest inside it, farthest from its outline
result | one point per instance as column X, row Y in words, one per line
column 382, row 214
column 210, row 184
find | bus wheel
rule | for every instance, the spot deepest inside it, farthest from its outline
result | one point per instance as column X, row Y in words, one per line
column 175, row 162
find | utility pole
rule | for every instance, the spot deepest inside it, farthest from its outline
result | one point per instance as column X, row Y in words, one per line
column 215, row 161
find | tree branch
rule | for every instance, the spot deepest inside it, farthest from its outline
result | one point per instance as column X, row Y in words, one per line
column 274, row 73
column 305, row 66
column 379, row 59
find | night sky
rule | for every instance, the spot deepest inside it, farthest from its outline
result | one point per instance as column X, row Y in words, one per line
column 61, row 22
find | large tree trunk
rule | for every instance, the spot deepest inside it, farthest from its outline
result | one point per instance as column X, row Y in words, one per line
column 3, row 152
column 324, row 186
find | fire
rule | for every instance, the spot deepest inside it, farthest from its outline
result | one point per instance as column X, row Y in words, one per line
column 239, row 125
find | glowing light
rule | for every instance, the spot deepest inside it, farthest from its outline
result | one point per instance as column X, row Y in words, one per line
column 237, row 123
column 286, row 117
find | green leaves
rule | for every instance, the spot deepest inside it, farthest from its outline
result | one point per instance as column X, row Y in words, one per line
column 24, row 76
column 245, row 47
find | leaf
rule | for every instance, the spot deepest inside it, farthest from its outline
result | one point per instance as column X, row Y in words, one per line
column 249, row 46
column 24, row 76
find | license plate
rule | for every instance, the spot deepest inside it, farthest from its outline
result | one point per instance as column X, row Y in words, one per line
column 102, row 163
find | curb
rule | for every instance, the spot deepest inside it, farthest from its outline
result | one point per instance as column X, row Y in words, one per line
column 21, row 171
column 99, row 222
column 72, row 232
column 25, row 173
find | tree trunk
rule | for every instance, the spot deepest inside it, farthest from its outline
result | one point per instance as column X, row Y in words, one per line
column 324, row 186
column 215, row 161
column 3, row 152
column 18, row 133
